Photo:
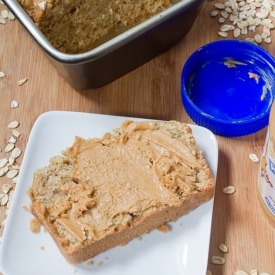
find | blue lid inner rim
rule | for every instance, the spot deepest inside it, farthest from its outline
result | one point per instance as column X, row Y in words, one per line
column 229, row 95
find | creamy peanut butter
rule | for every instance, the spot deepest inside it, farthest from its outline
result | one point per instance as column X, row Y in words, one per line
column 120, row 178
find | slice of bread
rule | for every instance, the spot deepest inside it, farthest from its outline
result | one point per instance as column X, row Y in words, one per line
column 103, row 192
column 76, row 26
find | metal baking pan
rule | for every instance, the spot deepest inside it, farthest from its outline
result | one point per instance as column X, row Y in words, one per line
column 122, row 53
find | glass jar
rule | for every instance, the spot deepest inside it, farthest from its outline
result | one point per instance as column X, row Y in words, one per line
column 266, row 182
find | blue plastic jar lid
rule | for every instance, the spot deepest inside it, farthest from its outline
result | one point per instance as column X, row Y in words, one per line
column 228, row 87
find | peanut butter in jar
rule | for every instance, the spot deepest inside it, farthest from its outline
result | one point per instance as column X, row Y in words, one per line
column 266, row 183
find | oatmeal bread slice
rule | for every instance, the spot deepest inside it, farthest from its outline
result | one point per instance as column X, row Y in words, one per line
column 104, row 192
column 73, row 26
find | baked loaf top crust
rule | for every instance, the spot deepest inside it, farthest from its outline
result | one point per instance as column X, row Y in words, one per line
column 120, row 186
column 73, row 26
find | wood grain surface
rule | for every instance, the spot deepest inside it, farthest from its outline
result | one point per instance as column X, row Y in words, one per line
column 150, row 91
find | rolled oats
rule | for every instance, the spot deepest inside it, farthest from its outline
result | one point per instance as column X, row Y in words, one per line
column 16, row 133
column 9, row 147
column 223, row 34
column 2, row 20
column 3, row 162
column 12, row 140
column 11, row 16
column 3, row 171
column 5, row 199
column 229, row 190
column 16, row 152
column 14, row 124
column 219, row 6
column 22, row 81
column 12, row 173
column 214, row 13
column 254, row 158
column 223, row 248
column 14, row 104
column 218, row 260
column 6, row 188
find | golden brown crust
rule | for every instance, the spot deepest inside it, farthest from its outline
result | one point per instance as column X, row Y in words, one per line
column 51, row 183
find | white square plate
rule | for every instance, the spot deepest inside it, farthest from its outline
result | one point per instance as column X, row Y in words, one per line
column 183, row 250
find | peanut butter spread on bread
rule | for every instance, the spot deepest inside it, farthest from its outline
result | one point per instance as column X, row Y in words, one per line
column 103, row 185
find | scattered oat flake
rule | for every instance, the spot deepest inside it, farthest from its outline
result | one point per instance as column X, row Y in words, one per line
column 223, row 34
column 6, row 188
column 22, row 81
column 15, row 179
column 2, row 20
column 218, row 260
column 237, row 32
column 16, row 166
column 219, row 6
column 254, row 272
column 223, row 248
column 265, row 273
column 11, row 16
column 5, row 13
column 3, row 162
column 3, row 171
column 225, row 28
column 229, row 190
column 240, row 272
column 214, row 13
column 9, row 147
column 12, row 173
column 5, row 199
column 16, row 152
column 14, row 104
column 14, row 124
column 12, row 139
column 254, row 157
column 16, row 133
column 2, row 74
column 11, row 160
column 11, row 194
column 8, row 204
column 268, row 40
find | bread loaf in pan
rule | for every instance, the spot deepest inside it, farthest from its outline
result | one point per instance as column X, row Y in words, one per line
column 74, row 26
column 104, row 192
